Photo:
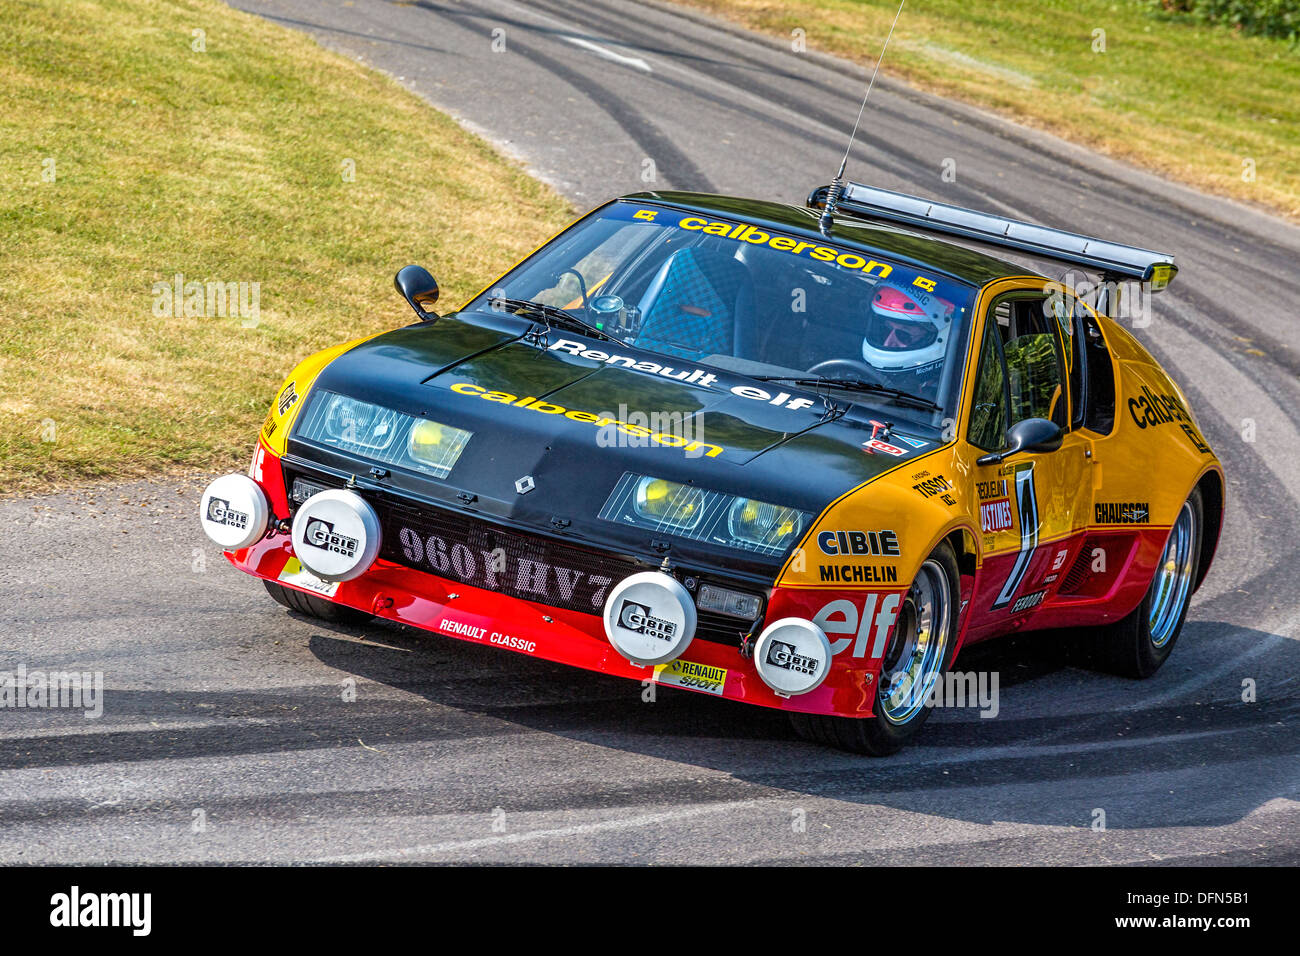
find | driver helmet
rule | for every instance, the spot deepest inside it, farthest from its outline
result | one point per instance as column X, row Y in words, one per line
column 907, row 329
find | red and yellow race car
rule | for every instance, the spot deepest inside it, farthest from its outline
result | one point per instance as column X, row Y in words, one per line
column 752, row 450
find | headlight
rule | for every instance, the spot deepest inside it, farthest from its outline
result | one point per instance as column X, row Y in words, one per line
column 365, row 427
column 436, row 446
column 382, row 434
column 702, row 515
column 668, row 504
column 763, row 525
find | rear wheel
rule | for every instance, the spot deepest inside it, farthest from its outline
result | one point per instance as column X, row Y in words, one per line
column 1137, row 645
column 314, row 606
column 919, row 652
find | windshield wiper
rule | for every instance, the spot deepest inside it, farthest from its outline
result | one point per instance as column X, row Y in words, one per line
column 854, row 385
column 553, row 314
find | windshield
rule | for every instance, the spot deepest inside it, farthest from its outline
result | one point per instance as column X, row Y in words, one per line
column 755, row 301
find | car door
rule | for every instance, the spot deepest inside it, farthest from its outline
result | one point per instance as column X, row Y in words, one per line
column 1032, row 506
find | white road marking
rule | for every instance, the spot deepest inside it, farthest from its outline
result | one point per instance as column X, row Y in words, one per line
column 632, row 61
column 581, row 829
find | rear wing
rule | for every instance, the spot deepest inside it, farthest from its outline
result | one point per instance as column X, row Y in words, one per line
column 1115, row 261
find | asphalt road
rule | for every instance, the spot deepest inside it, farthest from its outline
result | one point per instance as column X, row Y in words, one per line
column 226, row 735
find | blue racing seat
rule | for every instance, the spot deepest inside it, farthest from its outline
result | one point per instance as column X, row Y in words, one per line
column 700, row 303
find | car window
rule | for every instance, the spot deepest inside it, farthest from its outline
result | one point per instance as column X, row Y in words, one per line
column 988, row 420
column 1099, row 375
column 1021, row 371
column 706, row 288
column 1034, row 377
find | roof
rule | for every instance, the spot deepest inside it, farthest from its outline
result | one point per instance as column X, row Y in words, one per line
column 959, row 262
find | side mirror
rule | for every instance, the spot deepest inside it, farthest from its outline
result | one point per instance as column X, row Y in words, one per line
column 1030, row 435
column 418, row 288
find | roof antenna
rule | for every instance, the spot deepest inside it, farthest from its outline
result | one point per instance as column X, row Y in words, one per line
column 837, row 184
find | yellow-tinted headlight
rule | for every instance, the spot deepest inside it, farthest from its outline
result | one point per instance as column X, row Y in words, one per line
column 435, row 446
column 763, row 524
column 671, row 504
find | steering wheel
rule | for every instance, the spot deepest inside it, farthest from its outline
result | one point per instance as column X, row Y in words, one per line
column 858, row 369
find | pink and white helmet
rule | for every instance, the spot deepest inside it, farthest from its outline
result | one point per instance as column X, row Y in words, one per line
column 907, row 328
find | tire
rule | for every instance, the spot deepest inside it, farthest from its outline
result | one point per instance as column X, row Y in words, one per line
column 313, row 606
column 1136, row 646
column 894, row 724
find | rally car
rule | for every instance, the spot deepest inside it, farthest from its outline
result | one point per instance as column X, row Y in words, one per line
column 792, row 456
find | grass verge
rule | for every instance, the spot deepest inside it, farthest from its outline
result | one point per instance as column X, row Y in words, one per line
column 134, row 149
column 1192, row 101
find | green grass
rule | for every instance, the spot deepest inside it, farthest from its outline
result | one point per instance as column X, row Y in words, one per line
column 224, row 165
column 1192, row 101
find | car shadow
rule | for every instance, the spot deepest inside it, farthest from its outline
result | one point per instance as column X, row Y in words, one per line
column 1064, row 740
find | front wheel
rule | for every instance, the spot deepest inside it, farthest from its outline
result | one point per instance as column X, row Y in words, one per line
column 919, row 652
column 314, row 606
column 1136, row 646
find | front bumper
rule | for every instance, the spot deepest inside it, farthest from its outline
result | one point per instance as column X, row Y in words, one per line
column 711, row 664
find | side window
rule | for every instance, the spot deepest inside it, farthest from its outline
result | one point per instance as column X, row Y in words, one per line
column 988, row 420
column 1022, row 371
column 1099, row 408
column 1034, row 374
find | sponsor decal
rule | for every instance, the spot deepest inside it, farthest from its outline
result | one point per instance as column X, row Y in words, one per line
column 294, row 573
column 914, row 442
column 988, row 490
column 688, row 376
column 475, row 633
column 1197, row 441
column 512, row 642
column 786, row 656
column 996, row 515
column 1029, row 601
column 1028, row 499
column 498, row 570
column 859, row 573
column 461, row 629
column 692, row 676
column 929, row 487
column 321, row 534
column 288, row 398
column 1121, row 512
column 844, row 543
column 873, row 445
column 742, row 232
column 1151, row 409
column 858, row 628
column 639, row 619
column 220, row 512
column 693, row 448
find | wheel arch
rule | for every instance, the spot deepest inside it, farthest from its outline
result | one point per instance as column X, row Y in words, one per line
column 1212, row 506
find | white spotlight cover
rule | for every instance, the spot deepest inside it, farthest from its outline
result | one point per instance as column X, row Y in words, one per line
column 234, row 512
column 336, row 535
column 792, row 656
column 650, row 618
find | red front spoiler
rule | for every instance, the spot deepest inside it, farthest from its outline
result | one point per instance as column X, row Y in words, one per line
column 479, row 616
